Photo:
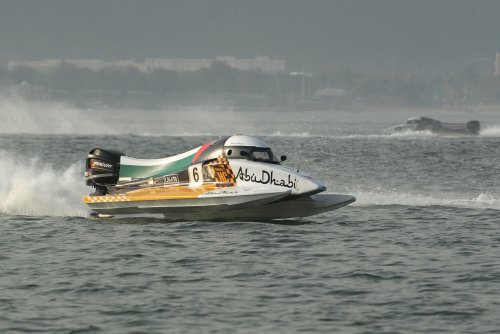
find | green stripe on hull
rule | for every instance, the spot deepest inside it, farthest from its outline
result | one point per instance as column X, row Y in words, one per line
column 139, row 172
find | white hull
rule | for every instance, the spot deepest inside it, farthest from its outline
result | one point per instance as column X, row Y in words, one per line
column 262, row 208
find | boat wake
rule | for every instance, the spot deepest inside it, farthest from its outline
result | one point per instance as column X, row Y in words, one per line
column 22, row 116
column 490, row 131
column 386, row 198
column 398, row 135
column 30, row 187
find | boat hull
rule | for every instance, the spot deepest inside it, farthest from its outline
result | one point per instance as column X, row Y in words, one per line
column 258, row 207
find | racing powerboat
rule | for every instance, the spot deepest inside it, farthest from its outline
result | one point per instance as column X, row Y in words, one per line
column 231, row 178
column 437, row 127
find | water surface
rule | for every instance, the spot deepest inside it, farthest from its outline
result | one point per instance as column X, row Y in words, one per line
column 417, row 252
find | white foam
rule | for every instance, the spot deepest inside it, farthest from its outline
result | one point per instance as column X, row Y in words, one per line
column 31, row 187
column 412, row 134
column 20, row 115
column 383, row 198
column 397, row 135
column 295, row 134
column 490, row 131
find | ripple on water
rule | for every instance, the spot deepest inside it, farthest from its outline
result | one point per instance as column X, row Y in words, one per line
column 417, row 253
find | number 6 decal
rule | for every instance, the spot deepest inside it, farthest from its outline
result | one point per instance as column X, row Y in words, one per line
column 196, row 176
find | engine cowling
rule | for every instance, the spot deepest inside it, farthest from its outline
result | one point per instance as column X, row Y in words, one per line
column 102, row 168
column 473, row 126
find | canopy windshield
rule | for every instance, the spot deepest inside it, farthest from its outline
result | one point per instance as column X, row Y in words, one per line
column 261, row 154
column 414, row 121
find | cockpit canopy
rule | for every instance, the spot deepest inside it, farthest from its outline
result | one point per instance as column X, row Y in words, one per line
column 261, row 154
column 238, row 147
column 424, row 121
column 250, row 148
column 414, row 120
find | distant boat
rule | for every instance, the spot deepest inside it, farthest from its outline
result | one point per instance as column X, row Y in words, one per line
column 437, row 127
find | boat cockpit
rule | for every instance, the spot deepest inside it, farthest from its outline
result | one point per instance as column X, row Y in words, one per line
column 260, row 154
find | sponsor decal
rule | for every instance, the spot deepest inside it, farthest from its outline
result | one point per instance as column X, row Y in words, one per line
column 266, row 178
column 170, row 179
column 101, row 165
column 221, row 192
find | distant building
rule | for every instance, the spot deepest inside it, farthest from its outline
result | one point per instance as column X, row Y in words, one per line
column 174, row 64
column 497, row 64
column 260, row 63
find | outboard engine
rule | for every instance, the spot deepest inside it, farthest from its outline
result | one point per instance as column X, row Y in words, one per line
column 473, row 126
column 102, row 169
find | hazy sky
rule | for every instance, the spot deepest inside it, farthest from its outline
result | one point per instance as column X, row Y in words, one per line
column 433, row 35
